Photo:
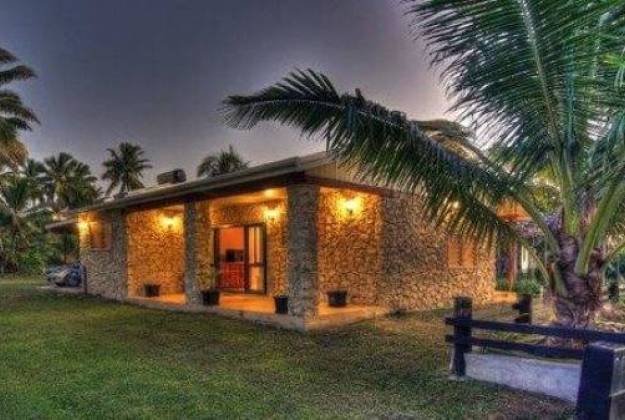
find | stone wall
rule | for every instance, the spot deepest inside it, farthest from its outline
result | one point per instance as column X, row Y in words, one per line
column 106, row 268
column 247, row 214
column 386, row 253
column 349, row 251
column 416, row 272
column 198, row 250
column 302, row 236
column 156, row 250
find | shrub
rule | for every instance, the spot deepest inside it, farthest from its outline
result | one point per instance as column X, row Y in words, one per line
column 528, row 284
column 501, row 283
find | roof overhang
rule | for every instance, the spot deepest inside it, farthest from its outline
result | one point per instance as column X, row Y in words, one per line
column 63, row 226
column 270, row 175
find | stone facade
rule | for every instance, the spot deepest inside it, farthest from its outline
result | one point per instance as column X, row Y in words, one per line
column 106, row 268
column 156, row 250
column 349, row 248
column 416, row 270
column 385, row 253
column 302, row 267
column 378, row 247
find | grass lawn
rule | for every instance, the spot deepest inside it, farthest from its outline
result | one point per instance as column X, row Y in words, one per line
column 82, row 357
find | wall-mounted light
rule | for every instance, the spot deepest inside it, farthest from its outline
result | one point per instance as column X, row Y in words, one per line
column 169, row 222
column 272, row 214
column 352, row 206
column 83, row 227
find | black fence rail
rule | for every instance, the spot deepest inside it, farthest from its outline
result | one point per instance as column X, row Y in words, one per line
column 603, row 354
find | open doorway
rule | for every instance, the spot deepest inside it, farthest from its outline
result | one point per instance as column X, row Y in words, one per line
column 240, row 258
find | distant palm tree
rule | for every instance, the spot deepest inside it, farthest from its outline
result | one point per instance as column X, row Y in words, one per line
column 67, row 183
column 224, row 162
column 34, row 172
column 18, row 218
column 14, row 115
column 124, row 168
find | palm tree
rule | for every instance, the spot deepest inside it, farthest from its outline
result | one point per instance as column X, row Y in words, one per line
column 124, row 168
column 224, row 162
column 14, row 115
column 67, row 183
column 35, row 173
column 18, row 218
column 544, row 82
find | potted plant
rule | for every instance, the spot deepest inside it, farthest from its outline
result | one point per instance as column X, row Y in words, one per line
column 281, row 301
column 208, row 288
column 337, row 298
column 151, row 290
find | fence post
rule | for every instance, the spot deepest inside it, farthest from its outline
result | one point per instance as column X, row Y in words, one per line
column 463, row 309
column 524, row 306
column 602, row 383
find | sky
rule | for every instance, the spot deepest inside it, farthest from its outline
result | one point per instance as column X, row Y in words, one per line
column 154, row 72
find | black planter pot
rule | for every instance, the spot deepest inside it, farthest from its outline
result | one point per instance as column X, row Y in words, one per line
column 337, row 298
column 151, row 290
column 282, row 304
column 210, row 297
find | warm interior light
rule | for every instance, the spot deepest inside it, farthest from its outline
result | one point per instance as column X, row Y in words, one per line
column 269, row 193
column 352, row 205
column 271, row 214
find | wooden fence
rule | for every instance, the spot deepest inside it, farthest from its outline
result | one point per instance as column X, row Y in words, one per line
column 608, row 353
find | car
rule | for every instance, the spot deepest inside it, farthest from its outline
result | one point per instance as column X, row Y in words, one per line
column 68, row 275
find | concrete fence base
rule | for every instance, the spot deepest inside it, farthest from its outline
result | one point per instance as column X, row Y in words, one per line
column 556, row 379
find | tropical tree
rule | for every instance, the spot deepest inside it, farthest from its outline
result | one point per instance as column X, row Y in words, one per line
column 223, row 162
column 124, row 168
column 543, row 82
column 14, row 115
column 20, row 221
column 66, row 182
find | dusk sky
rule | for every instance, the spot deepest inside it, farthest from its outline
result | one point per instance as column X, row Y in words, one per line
column 154, row 72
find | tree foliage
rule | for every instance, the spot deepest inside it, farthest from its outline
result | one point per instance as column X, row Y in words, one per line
column 124, row 168
column 223, row 162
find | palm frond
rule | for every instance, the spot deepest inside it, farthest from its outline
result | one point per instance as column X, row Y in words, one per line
column 386, row 148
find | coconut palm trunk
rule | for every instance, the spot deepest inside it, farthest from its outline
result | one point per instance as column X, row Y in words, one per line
column 576, row 306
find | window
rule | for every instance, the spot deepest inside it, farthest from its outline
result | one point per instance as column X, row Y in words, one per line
column 99, row 235
column 461, row 253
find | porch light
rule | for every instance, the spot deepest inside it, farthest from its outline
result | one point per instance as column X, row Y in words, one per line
column 271, row 214
column 169, row 222
column 83, row 226
column 352, row 205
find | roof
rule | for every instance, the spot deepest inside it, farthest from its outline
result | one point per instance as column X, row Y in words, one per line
column 256, row 174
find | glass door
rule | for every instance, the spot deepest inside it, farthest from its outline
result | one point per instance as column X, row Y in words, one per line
column 240, row 258
column 230, row 258
column 255, row 258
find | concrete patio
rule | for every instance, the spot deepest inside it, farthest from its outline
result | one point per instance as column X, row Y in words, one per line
column 261, row 309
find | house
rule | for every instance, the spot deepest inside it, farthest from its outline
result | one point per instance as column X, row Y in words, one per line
column 301, row 227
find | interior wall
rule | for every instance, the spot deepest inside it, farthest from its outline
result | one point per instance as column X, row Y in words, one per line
column 156, row 250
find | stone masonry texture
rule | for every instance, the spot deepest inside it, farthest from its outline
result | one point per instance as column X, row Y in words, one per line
column 383, row 253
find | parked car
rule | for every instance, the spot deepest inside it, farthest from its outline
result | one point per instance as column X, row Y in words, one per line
column 69, row 275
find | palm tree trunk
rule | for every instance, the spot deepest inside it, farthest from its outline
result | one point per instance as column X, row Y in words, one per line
column 577, row 308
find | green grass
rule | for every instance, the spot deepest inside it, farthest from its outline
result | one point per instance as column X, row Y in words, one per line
column 82, row 357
